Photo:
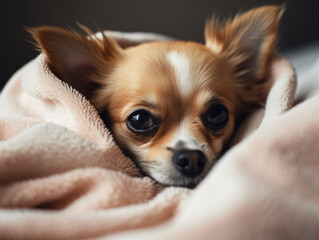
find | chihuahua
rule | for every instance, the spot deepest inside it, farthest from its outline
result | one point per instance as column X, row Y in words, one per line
column 171, row 106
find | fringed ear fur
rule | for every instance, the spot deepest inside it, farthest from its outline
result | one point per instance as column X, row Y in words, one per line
column 248, row 43
column 81, row 61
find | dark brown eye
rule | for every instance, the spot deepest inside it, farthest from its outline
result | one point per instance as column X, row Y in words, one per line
column 216, row 117
column 141, row 121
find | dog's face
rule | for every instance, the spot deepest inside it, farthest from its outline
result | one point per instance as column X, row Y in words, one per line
column 172, row 106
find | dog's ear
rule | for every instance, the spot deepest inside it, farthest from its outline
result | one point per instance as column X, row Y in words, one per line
column 81, row 61
column 247, row 41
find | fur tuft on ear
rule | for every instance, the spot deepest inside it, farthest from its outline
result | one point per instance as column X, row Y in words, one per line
column 248, row 42
column 81, row 61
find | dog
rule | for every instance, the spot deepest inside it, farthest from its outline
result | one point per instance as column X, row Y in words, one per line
column 171, row 106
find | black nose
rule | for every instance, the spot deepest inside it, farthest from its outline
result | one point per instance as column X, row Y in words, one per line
column 189, row 162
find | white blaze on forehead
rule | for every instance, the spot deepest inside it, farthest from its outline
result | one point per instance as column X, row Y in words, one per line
column 181, row 65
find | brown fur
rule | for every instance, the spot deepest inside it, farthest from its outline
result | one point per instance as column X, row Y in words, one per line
column 118, row 81
column 230, row 41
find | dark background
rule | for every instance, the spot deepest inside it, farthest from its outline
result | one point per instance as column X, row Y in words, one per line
column 183, row 19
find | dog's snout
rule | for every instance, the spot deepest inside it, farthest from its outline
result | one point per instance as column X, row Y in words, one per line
column 190, row 163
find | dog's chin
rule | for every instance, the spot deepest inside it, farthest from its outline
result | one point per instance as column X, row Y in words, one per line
column 174, row 178
column 166, row 174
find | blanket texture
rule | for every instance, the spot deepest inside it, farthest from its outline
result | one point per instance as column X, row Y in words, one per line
column 63, row 177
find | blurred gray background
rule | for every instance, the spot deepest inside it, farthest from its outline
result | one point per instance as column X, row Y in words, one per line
column 183, row 19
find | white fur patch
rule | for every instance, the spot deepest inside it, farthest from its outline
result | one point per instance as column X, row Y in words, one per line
column 186, row 139
column 181, row 66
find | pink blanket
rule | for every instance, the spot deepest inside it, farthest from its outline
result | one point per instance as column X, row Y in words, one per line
column 63, row 177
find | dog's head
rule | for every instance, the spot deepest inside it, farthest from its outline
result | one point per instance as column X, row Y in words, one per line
column 172, row 106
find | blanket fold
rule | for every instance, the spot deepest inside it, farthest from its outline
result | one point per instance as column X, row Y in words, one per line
column 63, row 177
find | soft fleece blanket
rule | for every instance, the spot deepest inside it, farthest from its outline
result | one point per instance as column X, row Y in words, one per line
column 63, row 177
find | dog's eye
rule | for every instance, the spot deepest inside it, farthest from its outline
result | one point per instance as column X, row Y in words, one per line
column 141, row 121
column 216, row 118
